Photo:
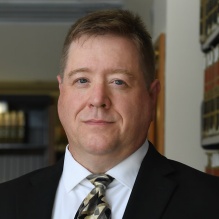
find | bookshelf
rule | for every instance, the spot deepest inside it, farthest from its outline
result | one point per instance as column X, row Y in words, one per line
column 31, row 135
column 209, row 40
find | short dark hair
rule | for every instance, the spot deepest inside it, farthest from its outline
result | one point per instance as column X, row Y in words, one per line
column 119, row 22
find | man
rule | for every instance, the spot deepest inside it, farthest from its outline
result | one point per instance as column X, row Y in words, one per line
column 107, row 101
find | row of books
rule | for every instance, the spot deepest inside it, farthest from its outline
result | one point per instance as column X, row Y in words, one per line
column 209, row 18
column 209, row 32
column 210, row 112
column 12, row 127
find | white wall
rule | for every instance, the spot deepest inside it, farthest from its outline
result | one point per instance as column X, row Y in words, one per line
column 184, row 83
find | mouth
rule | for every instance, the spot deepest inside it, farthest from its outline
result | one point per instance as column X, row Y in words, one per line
column 97, row 122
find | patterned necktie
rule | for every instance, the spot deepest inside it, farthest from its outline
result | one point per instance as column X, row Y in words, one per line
column 94, row 205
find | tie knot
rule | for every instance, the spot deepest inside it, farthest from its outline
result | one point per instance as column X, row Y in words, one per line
column 100, row 180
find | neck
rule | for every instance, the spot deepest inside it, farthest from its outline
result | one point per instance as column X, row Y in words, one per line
column 99, row 163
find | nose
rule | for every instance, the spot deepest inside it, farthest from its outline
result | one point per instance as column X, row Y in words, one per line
column 99, row 97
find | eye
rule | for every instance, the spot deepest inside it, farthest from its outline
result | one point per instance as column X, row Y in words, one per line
column 119, row 82
column 82, row 80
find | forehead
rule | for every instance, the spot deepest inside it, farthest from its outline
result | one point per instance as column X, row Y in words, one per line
column 110, row 46
column 86, row 40
column 104, row 54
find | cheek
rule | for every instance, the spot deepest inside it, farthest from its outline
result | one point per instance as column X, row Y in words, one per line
column 61, row 109
column 64, row 104
column 137, row 111
column 69, row 105
column 127, row 111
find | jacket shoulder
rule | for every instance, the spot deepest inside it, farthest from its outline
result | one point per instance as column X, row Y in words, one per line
column 37, row 175
column 19, row 187
column 183, row 171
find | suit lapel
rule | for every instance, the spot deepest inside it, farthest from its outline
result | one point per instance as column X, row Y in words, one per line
column 150, row 195
column 38, row 197
column 153, row 188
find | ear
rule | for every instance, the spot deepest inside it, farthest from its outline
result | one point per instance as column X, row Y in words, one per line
column 153, row 92
column 59, row 78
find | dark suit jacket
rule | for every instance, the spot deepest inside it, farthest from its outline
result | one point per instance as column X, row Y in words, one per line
column 163, row 189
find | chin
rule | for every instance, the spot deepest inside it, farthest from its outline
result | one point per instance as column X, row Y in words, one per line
column 99, row 147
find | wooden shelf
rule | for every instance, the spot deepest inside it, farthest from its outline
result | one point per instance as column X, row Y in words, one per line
column 211, row 143
column 21, row 146
column 37, row 99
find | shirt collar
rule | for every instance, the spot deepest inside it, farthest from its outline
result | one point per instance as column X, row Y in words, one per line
column 124, row 172
column 73, row 172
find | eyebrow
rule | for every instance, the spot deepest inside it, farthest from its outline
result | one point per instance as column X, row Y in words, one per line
column 114, row 71
column 78, row 70
column 122, row 71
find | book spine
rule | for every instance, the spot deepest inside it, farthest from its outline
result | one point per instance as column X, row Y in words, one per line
column 209, row 18
column 208, row 95
column 212, row 167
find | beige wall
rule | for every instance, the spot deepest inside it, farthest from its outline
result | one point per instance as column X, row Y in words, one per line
column 30, row 51
column 143, row 8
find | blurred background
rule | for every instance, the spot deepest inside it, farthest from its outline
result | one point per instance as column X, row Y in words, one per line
column 31, row 37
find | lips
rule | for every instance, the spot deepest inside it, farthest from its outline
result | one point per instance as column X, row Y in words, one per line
column 98, row 122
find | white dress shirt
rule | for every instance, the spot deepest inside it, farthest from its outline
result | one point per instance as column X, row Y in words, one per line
column 74, row 187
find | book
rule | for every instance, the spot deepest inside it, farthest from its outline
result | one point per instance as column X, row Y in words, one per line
column 212, row 167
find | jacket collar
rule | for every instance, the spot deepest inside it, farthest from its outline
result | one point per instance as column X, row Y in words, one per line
column 153, row 187
column 150, row 195
column 39, row 195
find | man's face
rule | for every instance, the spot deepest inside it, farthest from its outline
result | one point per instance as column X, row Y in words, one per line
column 104, row 104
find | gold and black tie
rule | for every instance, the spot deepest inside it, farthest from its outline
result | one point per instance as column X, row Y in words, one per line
column 94, row 205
